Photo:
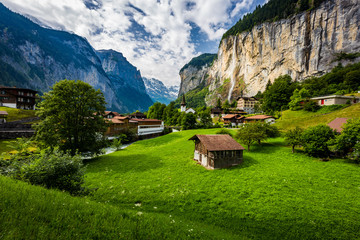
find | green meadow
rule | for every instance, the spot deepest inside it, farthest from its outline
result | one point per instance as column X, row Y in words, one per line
column 154, row 190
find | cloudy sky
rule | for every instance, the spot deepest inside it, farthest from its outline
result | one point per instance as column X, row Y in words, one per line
column 157, row 36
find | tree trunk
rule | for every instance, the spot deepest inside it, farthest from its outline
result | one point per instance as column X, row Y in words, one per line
column 293, row 148
column 248, row 148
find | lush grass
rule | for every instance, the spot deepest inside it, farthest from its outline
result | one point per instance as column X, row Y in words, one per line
column 32, row 212
column 273, row 195
column 5, row 145
column 17, row 114
column 291, row 119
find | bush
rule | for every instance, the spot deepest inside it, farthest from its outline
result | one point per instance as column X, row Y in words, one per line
column 315, row 140
column 224, row 131
column 311, row 106
column 51, row 169
column 294, row 137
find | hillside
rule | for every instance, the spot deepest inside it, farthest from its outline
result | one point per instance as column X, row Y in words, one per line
column 291, row 119
column 18, row 114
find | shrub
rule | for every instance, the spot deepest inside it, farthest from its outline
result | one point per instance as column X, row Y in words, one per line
column 294, row 137
column 311, row 106
column 224, row 131
column 50, row 168
column 250, row 133
column 315, row 140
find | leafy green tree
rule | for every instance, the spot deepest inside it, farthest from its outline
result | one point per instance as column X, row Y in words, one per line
column 349, row 137
column 156, row 111
column 118, row 141
column 225, row 131
column 352, row 79
column 311, row 106
column 188, row 121
column 71, row 117
column 298, row 96
column 293, row 137
column 278, row 94
column 205, row 119
column 251, row 133
column 218, row 103
column 315, row 140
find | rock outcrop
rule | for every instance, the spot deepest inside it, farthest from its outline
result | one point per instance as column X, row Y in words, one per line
column 302, row 46
column 158, row 92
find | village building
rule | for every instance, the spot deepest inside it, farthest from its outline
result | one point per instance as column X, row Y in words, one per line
column 335, row 99
column 233, row 119
column 117, row 124
column 247, row 104
column 260, row 118
column 20, row 98
column 183, row 106
column 337, row 124
column 217, row 151
column 3, row 116
column 216, row 112
column 138, row 115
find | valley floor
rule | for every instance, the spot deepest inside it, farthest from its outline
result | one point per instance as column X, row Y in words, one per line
column 154, row 190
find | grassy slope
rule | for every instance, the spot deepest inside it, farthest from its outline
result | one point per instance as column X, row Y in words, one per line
column 291, row 119
column 5, row 145
column 17, row 114
column 273, row 195
column 38, row 213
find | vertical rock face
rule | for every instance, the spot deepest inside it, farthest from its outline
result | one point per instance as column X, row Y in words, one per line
column 302, row 46
column 194, row 73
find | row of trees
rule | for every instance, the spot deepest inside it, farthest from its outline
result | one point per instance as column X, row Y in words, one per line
column 284, row 93
column 321, row 140
column 173, row 117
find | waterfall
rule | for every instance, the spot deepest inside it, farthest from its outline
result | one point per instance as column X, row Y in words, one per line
column 233, row 67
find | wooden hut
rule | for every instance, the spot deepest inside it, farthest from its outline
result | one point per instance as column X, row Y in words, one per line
column 217, row 151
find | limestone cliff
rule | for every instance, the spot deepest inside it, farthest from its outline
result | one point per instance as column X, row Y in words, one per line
column 302, row 46
column 194, row 73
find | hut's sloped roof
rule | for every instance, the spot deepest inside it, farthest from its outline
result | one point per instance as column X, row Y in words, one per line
column 220, row 142
column 258, row 117
column 337, row 124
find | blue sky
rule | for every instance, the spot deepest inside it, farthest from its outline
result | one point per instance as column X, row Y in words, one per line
column 157, row 36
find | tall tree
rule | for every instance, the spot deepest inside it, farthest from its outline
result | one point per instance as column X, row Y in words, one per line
column 278, row 94
column 294, row 137
column 71, row 117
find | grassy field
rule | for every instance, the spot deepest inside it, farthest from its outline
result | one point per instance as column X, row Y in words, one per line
column 5, row 145
column 274, row 195
column 17, row 114
column 291, row 119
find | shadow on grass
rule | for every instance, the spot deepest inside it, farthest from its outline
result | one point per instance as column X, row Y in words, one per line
column 123, row 164
column 248, row 162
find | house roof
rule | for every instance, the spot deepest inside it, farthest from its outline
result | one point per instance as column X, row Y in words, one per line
column 334, row 96
column 258, row 117
column 337, row 124
column 248, row 98
column 108, row 112
column 216, row 110
column 219, row 142
column 145, row 120
column 3, row 113
column 3, row 87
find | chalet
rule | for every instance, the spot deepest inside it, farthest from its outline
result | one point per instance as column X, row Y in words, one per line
column 337, row 124
column 260, row 118
column 138, row 115
column 14, row 97
column 148, row 126
column 335, row 99
column 233, row 119
column 247, row 104
column 110, row 114
column 3, row 116
column 217, row 151
column 117, row 124
column 216, row 112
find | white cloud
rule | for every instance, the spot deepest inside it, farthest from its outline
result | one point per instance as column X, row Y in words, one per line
column 166, row 47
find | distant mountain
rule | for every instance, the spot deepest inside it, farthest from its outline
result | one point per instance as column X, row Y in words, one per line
column 35, row 57
column 126, row 79
column 159, row 92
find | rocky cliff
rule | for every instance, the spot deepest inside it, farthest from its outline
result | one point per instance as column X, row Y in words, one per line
column 302, row 46
column 35, row 57
column 126, row 79
column 194, row 73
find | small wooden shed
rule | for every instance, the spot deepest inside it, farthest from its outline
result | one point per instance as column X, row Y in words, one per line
column 217, row 151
